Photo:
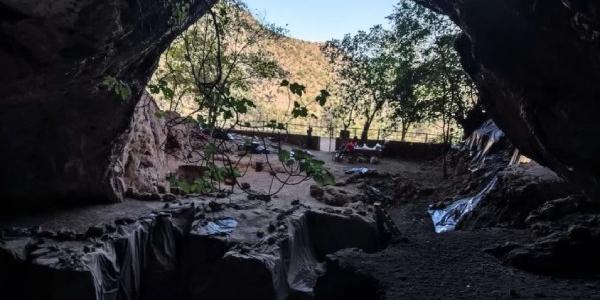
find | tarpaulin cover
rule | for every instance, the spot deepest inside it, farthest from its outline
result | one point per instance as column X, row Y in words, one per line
column 480, row 147
column 447, row 218
column 481, row 142
column 357, row 171
column 219, row 226
column 138, row 261
column 158, row 257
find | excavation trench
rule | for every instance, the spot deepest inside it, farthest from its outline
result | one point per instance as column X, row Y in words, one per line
column 185, row 252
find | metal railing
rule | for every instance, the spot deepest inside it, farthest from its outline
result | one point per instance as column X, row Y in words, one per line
column 378, row 134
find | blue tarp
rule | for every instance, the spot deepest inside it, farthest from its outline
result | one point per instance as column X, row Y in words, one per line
column 219, row 226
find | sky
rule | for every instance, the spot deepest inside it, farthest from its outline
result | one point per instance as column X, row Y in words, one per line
column 322, row 20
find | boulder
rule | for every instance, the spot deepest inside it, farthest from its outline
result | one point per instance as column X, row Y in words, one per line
column 520, row 191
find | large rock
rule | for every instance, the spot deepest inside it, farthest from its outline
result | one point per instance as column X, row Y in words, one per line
column 153, row 148
column 519, row 191
column 537, row 65
column 58, row 124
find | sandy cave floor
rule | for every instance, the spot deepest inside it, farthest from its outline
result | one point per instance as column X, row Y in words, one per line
column 427, row 266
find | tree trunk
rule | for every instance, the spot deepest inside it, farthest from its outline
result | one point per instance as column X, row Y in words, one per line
column 404, row 132
column 444, row 152
column 365, row 132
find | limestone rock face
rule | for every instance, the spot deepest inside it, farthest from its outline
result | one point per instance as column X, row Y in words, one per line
column 155, row 145
column 58, row 122
column 537, row 65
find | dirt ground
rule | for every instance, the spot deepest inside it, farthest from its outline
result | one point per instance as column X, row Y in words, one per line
column 426, row 266
column 453, row 265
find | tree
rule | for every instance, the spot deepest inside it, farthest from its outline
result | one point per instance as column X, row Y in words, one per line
column 411, row 32
column 212, row 63
column 449, row 87
column 430, row 83
column 410, row 107
column 208, row 68
column 364, row 64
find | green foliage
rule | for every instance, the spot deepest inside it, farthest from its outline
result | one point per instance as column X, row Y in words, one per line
column 273, row 124
column 210, row 68
column 320, row 175
column 206, row 183
column 160, row 114
column 407, row 75
column 314, row 168
column 297, row 89
column 365, row 65
column 322, row 97
column 285, row 156
column 431, row 84
column 201, row 185
column 299, row 111
column 179, row 12
column 307, row 164
column 213, row 62
column 162, row 87
column 119, row 87
column 221, row 173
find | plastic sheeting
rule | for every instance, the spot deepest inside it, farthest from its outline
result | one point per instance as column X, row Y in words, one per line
column 480, row 146
column 138, row 261
column 303, row 268
column 361, row 171
column 219, row 227
column 481, row 142
column 377, row 147
column 447, row 218
column 158, row 257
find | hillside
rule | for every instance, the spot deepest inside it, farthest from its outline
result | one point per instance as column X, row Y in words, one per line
column 301, row 61
column 304, row 63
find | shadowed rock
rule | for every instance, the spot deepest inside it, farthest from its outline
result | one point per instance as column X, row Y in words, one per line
column 537, row 64
column 58, row 123
column 182, row 253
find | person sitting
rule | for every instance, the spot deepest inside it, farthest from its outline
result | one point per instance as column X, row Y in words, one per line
column 349, row 147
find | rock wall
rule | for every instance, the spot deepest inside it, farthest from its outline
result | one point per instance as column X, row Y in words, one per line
column 537, row 65
column 142, row 163
column 153, row 147
column 57, row 121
